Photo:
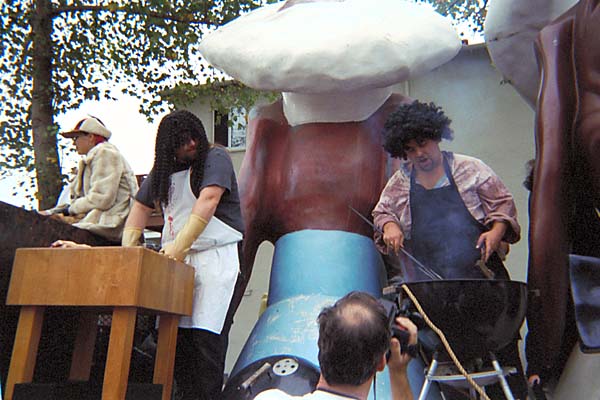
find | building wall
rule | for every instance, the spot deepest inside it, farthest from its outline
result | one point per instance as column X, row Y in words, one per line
column 490, row 122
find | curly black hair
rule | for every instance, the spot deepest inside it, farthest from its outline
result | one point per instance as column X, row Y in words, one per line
column 530, row 171
column 175, row 130
column 418, row 121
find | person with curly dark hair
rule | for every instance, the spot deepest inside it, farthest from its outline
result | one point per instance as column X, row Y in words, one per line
column 453, row 208
column 450, row 211
column 195, row 186
column 415, row 121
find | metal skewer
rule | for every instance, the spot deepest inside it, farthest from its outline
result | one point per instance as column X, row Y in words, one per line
column 427, row 271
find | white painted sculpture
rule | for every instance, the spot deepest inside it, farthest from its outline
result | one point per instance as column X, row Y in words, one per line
column 334, row 61
column 511, row 27
column 319, row 149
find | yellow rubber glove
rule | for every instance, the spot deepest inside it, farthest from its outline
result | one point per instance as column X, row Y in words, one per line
column 179, row 248
column 131, row 236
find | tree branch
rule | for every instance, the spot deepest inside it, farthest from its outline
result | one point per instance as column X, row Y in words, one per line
column 185, row 19
column 453, row 4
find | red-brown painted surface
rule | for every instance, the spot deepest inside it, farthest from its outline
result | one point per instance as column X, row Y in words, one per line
column 305, row 177
column 567, row 172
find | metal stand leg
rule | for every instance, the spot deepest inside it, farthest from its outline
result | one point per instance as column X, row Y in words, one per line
column 482, row 378
column 428, row 376
column 502, row 379
column 472, row 394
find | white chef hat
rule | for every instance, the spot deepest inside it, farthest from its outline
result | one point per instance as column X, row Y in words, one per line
column 312, row 47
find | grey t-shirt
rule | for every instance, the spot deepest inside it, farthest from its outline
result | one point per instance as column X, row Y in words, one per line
column 218, row 171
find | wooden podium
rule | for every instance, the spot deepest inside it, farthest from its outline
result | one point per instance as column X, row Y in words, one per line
column 123, row 279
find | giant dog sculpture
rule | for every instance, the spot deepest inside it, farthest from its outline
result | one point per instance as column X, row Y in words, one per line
column 318, row 151
column 566, row 186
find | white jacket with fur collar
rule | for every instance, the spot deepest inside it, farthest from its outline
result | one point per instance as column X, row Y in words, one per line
column 103, row 190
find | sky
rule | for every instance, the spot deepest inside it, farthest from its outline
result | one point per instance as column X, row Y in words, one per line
column 131, row 133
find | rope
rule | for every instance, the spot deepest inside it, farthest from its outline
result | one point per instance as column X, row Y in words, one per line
column 438, row 331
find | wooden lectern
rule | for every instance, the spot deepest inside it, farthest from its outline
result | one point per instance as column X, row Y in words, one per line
column 122, row 278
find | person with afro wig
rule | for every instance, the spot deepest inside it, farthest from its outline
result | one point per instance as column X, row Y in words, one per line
column 195, row 185
column 450, row 211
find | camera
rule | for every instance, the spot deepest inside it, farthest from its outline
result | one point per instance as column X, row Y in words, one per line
column 403, row 336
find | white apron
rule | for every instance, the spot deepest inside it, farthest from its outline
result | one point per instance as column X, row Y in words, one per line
column 214, row 256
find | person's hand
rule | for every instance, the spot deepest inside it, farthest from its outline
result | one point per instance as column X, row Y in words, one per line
column 131, row 236
column 535, row 383
column 63, row 210
column 179, row 247
column 534, row 380
column 489, row 241
column 67, row 244
column 398, row 360
column 503, row 250
column 173, row 251
column 392, row 236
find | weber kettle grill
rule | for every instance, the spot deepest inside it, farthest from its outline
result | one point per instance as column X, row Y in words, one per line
column 477, row 318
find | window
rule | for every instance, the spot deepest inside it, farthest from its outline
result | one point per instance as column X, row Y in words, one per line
column 230, row 129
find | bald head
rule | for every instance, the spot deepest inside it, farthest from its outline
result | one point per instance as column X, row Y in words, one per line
column 353, row 336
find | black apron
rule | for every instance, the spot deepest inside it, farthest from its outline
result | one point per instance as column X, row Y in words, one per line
column 444, row 233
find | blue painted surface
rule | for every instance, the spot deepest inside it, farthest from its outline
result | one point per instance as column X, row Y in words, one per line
column 286, row 327
column 312, row 269
column 330, row 263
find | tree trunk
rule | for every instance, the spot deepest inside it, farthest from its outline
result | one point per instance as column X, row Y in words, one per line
column 47, row 165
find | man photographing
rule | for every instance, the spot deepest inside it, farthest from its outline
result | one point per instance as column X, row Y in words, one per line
column 354, row 337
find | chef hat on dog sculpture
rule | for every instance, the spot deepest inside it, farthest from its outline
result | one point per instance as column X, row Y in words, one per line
column 334, row 61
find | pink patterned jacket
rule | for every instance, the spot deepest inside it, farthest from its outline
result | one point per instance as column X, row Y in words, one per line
column 482, row 191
